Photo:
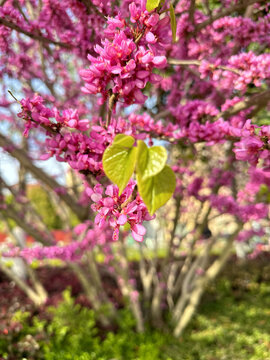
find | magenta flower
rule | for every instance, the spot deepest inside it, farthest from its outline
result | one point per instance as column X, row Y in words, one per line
column 124, row 65
column 248, row 149
column 111, row 209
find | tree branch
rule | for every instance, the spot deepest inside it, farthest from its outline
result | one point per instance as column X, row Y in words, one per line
column 26, row 162
column 11, row 213
column 36, row 298
column 209, row 275
column 33, row 36
column 198, row 63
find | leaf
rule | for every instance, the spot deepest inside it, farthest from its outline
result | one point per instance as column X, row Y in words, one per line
column 150, row 160
column 124, row 140
column 157, row 190
column 119, row 161
column 173, row 22
column 152, row 5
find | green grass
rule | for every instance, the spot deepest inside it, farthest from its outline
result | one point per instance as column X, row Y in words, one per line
column 230, row 325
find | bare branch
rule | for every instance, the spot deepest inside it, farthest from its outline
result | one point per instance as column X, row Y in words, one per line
column 11, row 213
column 209, row 275
column 198, row 63
column 28, row 208
column 26, row 162
column 37, row 37
column 90, row 291
column 36, row 298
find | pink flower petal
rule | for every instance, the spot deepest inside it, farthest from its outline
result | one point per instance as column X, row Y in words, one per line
column 150, row 37
column 122, row 219
column 159, row 61
column 139, row 229
column 137, row 237
column 96, row 197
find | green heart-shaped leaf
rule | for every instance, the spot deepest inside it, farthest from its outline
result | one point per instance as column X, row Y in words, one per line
column 119, row 161
column 124, row 140
column 156, row 190
column 152, row 5
column 150, row 160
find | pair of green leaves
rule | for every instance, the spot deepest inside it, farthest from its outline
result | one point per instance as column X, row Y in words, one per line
column 155, row 179
column 156, row 4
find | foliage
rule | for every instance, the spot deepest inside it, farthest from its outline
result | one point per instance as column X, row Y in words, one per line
column 224, row 327
column 74, row 336
column 71, row 333
column 155, row 180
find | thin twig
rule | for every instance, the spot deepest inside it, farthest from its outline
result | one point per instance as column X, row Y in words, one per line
column 199, row 63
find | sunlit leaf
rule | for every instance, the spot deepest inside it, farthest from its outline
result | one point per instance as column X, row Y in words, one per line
column 157, row 190
column 152, row 5
column 123, row 140
column 119, row 161
column 150, row 160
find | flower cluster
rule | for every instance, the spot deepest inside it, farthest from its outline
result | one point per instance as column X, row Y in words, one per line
column 219, row 177
column 147, row 126
column 128, row 55
column 211, row 42
column 239, row 71
column 245, row 235
column 120, row 210
column 195, row 120
column 81, row 151
column 227, row 204
column 254, row 144
column 93, row 235
column 36, row 114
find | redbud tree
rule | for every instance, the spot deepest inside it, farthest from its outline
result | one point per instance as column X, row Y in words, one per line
column 159, row 109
